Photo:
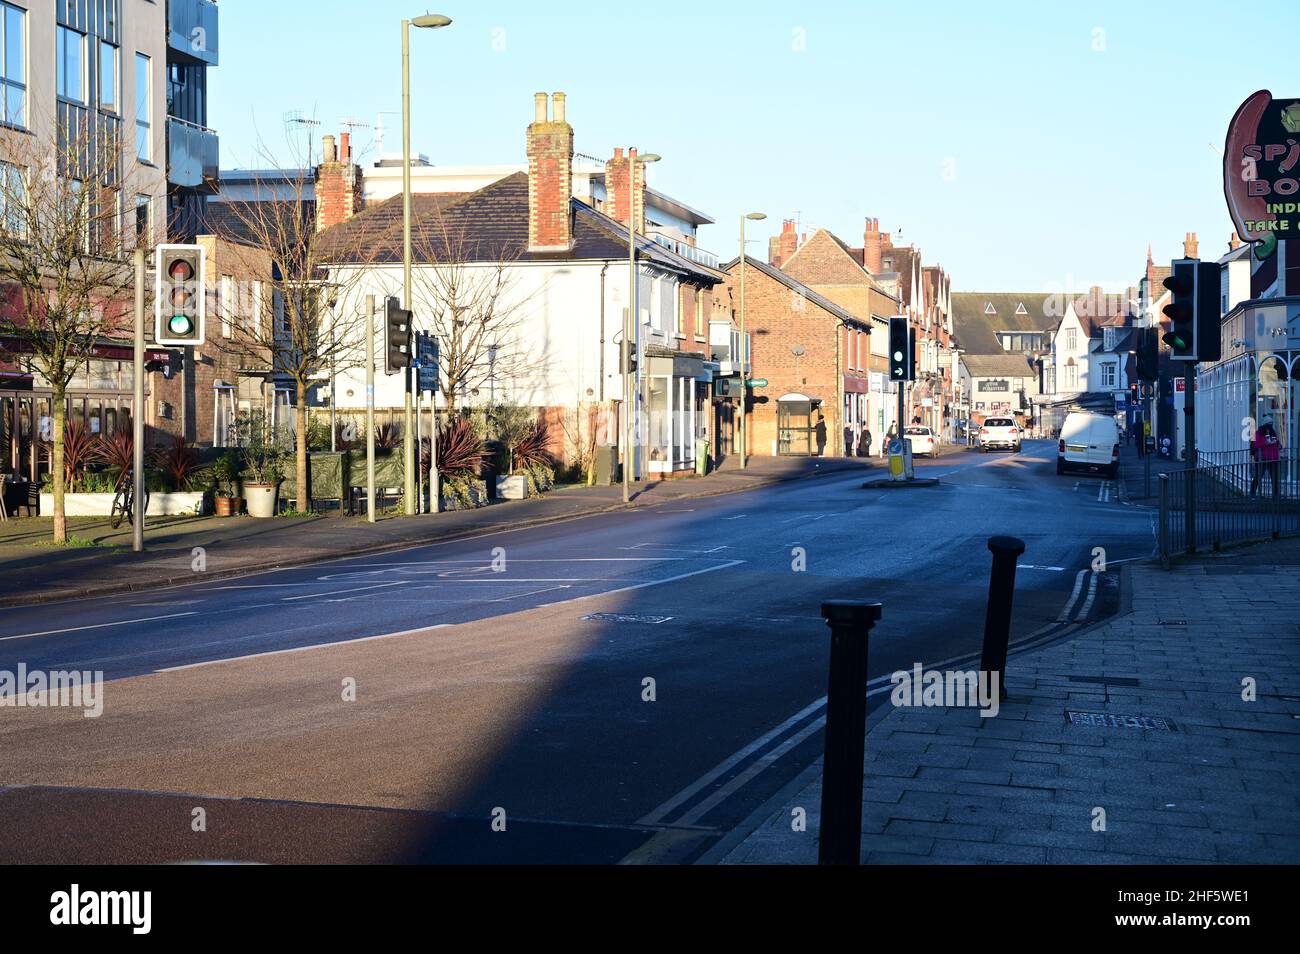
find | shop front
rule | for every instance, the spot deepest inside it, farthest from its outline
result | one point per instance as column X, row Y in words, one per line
column 99, row 398
column 1255, row 382
column 677, row 409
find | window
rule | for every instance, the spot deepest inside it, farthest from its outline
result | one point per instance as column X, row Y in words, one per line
column 1071, row 376
column 681, row 313
column 224, row 433
column 13, row 65
column 1071, row 339
column 143, row 225
column 699, row 315
column 70, row 66
column 13, row 199
column 227, row 305
column 107, row 76
column 1108, row 375
column 1108, row 338
column 143, row 108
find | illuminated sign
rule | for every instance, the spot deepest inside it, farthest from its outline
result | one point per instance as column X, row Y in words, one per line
column 1261, row 171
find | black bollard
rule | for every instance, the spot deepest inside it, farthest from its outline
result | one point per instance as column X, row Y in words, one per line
column 997, row 618
column 840, row 835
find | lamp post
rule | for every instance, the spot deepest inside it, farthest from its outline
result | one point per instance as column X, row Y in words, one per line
column 629, row 323
column 430, row 21
column 744, row 348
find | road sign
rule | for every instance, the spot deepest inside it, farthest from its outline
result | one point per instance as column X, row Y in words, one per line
column 756, row 383
column 426, row 361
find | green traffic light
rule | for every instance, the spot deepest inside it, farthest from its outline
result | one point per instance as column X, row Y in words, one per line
column 179, row 325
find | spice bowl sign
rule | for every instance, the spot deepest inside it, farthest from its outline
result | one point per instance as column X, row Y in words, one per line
column 1261, row 171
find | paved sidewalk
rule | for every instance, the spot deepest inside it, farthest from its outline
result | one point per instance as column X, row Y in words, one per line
column 31, row 572
column 1133, row 475
column 1220, row 784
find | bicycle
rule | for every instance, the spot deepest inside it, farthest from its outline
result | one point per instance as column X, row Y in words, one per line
column 124, row 502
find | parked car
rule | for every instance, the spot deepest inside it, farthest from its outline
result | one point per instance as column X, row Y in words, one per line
column 1088, row 442
column 921, row 438
column 999, row 432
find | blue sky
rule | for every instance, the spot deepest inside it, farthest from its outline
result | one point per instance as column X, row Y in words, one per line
column 1022, row 145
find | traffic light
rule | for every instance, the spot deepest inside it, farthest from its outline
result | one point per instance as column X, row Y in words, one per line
column 1148, row 356
column 397, row 338
column 901, row 345
column 179, row 301
column 1194, row 311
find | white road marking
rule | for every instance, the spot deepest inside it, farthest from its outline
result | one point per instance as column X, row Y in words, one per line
column 78, row 629
column 1031, row 566
column 641, row 586
column 1074, row 595
column 1087, row 605
column 303, row 649
column 332, row 593
column 516, row 596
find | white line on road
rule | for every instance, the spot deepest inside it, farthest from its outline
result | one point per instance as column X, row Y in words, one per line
column 1087, row 604
column 1074, row 595
column 642, row 586
column 1031, row 566
column 303, row 649
column 333, row 593
column 77, row 629
column 517, row 596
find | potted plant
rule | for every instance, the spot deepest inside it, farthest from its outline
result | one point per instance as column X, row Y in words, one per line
column 263, row 469
column 225, row 470
column 511, row 425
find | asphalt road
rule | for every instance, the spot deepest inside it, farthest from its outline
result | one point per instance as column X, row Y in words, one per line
column 631, row 682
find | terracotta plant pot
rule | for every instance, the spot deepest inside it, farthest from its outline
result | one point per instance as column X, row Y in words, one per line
column 228, row 506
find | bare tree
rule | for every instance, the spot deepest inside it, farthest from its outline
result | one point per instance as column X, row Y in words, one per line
column 65, row 251
column 468, row 293
column 310, row 322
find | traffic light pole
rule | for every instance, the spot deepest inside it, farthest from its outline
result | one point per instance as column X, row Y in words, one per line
column 370, row 408
column 1189, row 416
column 137, row 418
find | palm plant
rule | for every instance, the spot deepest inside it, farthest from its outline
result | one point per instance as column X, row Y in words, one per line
column 460, row 449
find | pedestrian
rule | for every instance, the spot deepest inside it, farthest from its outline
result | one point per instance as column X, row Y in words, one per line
column 864, row 443
column 848, row 440
column 1265, row 449
column 820, row 432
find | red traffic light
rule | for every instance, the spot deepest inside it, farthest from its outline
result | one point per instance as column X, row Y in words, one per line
column 1180, row 283
column 180, row 271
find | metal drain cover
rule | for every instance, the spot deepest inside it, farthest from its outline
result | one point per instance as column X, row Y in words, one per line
column 1111, row 720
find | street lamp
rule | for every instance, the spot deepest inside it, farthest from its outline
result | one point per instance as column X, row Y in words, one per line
column 430, row 21
column 744, row 349
column 629, row 319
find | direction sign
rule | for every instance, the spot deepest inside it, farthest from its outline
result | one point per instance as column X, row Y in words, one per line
column 426, row 361
column 756, row 383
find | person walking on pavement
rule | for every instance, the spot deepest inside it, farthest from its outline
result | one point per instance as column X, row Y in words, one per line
column 820, row 432
column 864, row 443
column 1265, row 449
column 848, row 440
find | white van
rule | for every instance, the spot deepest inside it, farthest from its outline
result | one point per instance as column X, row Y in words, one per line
column 1089, row 441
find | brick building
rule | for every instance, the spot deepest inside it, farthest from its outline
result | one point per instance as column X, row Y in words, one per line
column 813, row 354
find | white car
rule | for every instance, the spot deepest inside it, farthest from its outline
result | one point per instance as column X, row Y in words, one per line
column 999, row 432
column 1090, row 442
column 921, row 438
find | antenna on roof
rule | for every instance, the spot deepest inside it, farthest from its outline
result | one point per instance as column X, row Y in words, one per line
column 379, row 129
column 294, row 117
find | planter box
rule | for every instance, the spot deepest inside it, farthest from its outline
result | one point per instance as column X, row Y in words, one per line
column 261, row 499
column 512, row 488
column 101, row 505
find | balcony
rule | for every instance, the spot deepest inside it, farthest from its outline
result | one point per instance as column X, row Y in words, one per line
column 193, row 156
column 686, row 250
column 192, row 29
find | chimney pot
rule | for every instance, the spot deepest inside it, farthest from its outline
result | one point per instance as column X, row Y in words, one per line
column 557, row 99
column 328, row 153
column 345, row 147
column 539, row 107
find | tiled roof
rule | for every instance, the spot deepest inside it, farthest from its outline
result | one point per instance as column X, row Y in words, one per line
column 976, row 316
column 491, row 224
column 771, row 271
column 1001, row 365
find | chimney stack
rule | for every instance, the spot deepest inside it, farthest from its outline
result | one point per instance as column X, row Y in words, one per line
column 338, row 183
column 1190, row 246
column 625, row 187
column 781, row 247
column 550, row 177
column 874, row 243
